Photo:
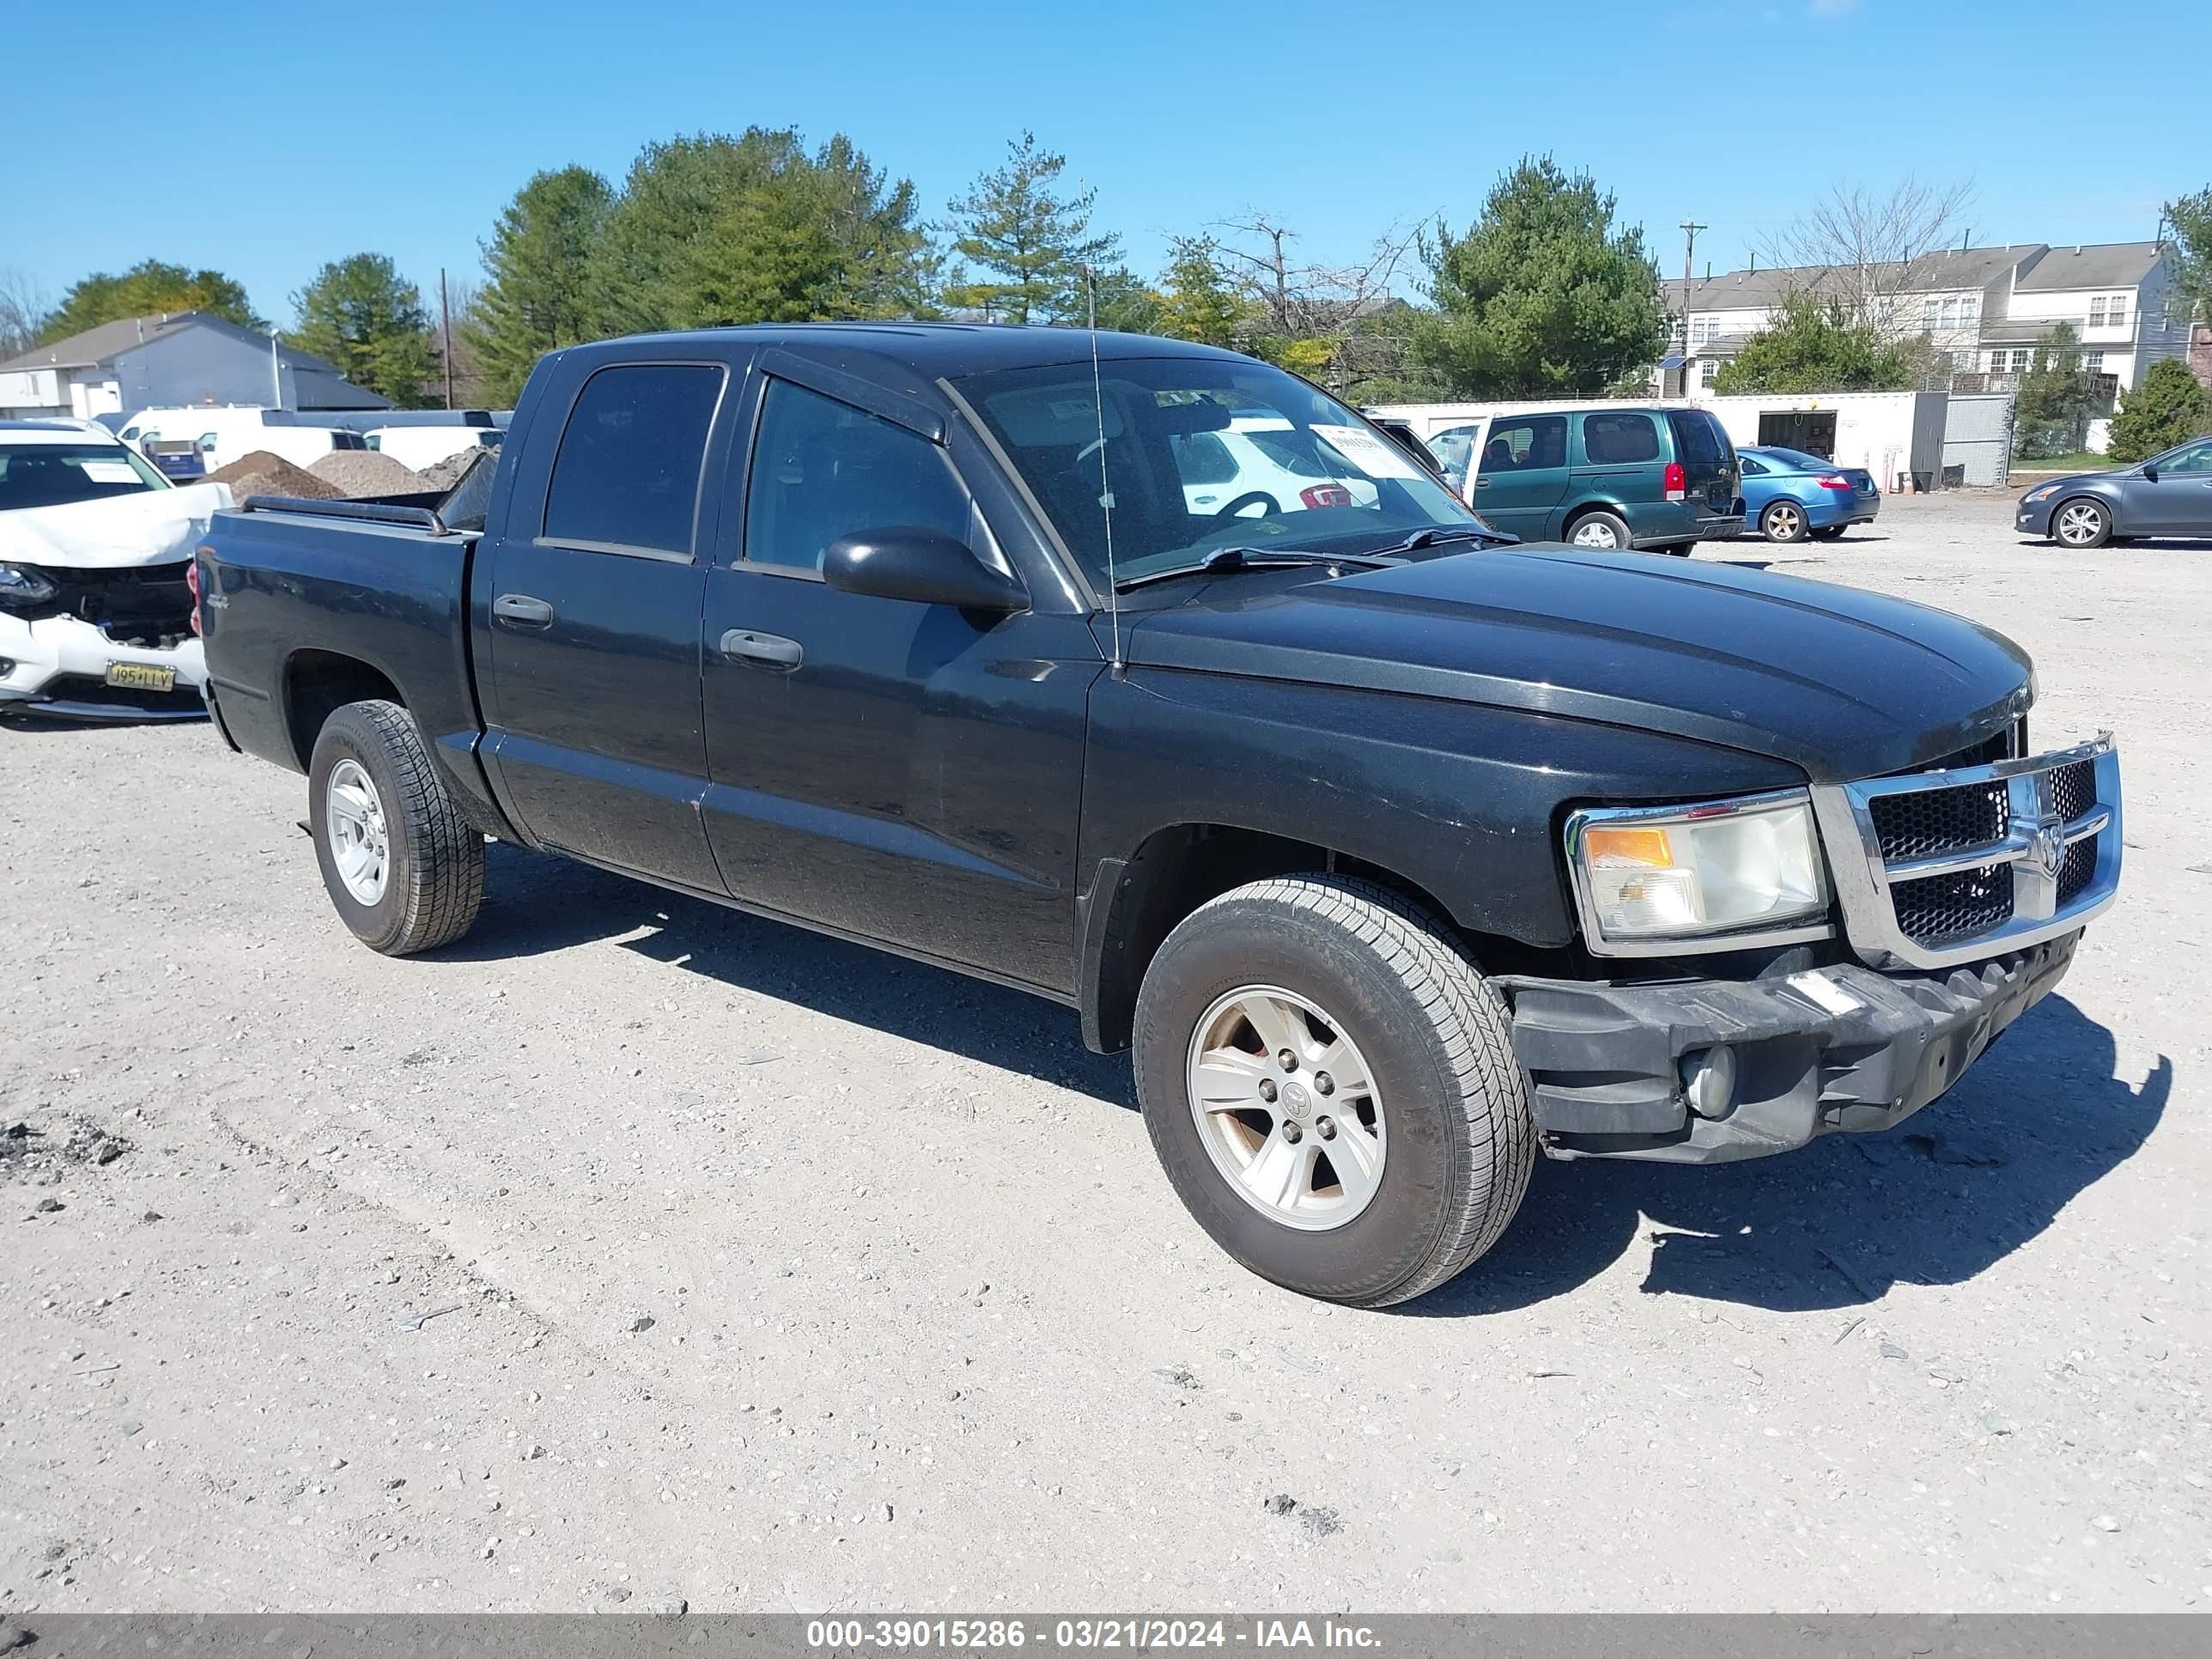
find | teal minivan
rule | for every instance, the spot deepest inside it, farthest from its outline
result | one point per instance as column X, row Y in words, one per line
column 1664, row 479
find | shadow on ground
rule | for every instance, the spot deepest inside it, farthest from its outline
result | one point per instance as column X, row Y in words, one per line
column 535, row 904
column 1959, row 1186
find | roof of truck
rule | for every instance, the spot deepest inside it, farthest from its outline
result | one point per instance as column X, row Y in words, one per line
column 941, row 348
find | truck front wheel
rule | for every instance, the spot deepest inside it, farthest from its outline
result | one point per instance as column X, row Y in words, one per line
column 403, row 867
column 1331, row 1086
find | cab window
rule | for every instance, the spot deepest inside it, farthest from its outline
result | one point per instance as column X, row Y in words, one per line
column 822, row 469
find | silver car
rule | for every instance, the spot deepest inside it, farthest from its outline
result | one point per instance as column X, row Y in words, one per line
column 2168, row 495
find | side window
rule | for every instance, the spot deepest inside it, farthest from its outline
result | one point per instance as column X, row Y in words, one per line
column 627, row 473
column 2198, row 457
column 1751, row 469
column 1525, row 444
column 1618, row 439
column 822, row 469
column 1202, row 459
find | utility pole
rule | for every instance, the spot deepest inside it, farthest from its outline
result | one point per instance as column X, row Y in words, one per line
column 1690, row 230
column 446, row 323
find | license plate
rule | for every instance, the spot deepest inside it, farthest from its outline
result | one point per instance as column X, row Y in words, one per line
column 141, row 676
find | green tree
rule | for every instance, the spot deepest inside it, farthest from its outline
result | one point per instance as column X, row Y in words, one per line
column 148, row 288
column 1544, row 296
column 361, row 314
column 2055, row 399
column 822, row 237
column 1815, row 346
column 2191, row 218
column 712, row 229
column 538, row 295
column 1030, row 240
column 2167, row 409
column 1199, row 298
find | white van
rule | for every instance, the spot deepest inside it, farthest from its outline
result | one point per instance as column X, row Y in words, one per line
column 221, row 435
column 421, row 446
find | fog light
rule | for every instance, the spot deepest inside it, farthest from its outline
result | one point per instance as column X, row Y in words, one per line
column 1708, row 1081
column 7, row 666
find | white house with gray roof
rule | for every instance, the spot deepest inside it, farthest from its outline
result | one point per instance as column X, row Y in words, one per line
column 1985, row 306
column 169, row 362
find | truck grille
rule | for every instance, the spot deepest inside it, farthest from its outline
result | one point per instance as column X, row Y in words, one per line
column 1970, row 860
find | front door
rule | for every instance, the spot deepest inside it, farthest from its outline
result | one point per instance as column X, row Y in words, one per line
column 908, row 774
column 1521, row 475
column 591, row 692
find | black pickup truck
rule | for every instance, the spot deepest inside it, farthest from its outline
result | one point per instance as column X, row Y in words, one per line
column 1152, row 680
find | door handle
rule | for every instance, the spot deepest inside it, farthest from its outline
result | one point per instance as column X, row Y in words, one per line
column 762, row 650
column 522, row 611
column 1482, row 483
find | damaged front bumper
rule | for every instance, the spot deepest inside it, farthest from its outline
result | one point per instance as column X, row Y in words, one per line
column 1769, row 1063
column 59, row 667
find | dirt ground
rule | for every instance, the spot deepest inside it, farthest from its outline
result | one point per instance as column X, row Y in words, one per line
column 637, row 1253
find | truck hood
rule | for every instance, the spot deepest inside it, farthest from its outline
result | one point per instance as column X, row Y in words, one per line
column 1840, row 683
column 154, row 526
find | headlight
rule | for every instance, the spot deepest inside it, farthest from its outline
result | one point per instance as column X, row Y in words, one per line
column 25, row 584
column 1651, row 880
column 2042, row 494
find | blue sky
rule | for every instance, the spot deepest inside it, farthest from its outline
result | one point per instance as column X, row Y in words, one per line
column 262, row 139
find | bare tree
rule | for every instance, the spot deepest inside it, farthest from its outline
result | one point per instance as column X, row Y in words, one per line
column 22, row 307
column 1870, row 251
column 1330, row 322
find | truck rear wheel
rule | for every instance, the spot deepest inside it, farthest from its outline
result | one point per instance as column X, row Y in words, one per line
column 403, row 867
column 1331, row 1086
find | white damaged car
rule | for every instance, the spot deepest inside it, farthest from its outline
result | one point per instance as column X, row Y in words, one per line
column 95, row 606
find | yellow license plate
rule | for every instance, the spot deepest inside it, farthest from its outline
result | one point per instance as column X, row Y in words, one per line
column 141, row 676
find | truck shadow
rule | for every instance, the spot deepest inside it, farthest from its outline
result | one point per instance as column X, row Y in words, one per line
column 535, row 904
column 1957, row 1187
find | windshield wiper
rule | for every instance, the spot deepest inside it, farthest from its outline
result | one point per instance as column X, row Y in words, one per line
column 1250, row 558
column 1445, row 533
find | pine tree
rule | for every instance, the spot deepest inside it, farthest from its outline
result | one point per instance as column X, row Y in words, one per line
column 361, row 314
column 537, row 294
column 1199, row 300
column 1033, row 241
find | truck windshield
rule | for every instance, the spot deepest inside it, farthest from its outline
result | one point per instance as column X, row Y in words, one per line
column 1190, row 453
column 56, row 475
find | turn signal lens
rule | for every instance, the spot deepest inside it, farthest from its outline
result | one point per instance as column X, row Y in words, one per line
column 1626, row 846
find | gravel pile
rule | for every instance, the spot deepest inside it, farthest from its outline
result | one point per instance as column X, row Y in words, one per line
column 260, row 473
column 357, row 472
column 445, row 474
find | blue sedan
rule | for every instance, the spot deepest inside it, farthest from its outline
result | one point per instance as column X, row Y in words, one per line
column 1789, row 495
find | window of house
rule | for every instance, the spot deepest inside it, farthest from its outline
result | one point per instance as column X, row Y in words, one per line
column 2119, row 311
column 626, row 474
column 2021, row 357
column 2096, row 311
column 2093, row 361
column 1706, row 371
column 1929, row 311
column 1951, row 312
column 1970, row 309
column 823, row 470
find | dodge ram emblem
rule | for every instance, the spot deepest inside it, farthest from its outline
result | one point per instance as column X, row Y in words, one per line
column 2048, row 850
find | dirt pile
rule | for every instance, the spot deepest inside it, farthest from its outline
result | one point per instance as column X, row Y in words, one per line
column 358, row 472
column 260, row 473
column 444, row 475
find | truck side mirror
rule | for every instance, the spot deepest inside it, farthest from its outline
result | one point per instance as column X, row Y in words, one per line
column 908, row 562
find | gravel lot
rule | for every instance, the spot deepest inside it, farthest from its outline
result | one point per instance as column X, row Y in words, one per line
column 638, row 1252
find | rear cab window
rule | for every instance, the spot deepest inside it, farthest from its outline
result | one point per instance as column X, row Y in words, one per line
column 626, row 477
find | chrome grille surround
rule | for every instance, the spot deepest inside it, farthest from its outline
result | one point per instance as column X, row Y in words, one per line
column 2048, row 859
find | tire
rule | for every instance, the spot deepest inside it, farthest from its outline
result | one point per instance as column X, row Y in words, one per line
column 1833, row 532
column 1782, row 520
column 1600, row 523
column 2090, row 523
column 426, row 860
column 1454, row 1141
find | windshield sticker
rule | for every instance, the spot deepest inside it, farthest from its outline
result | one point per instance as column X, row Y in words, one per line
column 1372, row 455
column 109, row 472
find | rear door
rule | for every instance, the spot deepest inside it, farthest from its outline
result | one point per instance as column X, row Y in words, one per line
column 1622, row 460
column 1521, row 474
column 2179, row 503
column 591, row 688
column 1708, row 461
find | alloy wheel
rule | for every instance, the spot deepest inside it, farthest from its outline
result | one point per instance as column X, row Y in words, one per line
column 360, row 845
column 1287, row 1107
column 2080, row 524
